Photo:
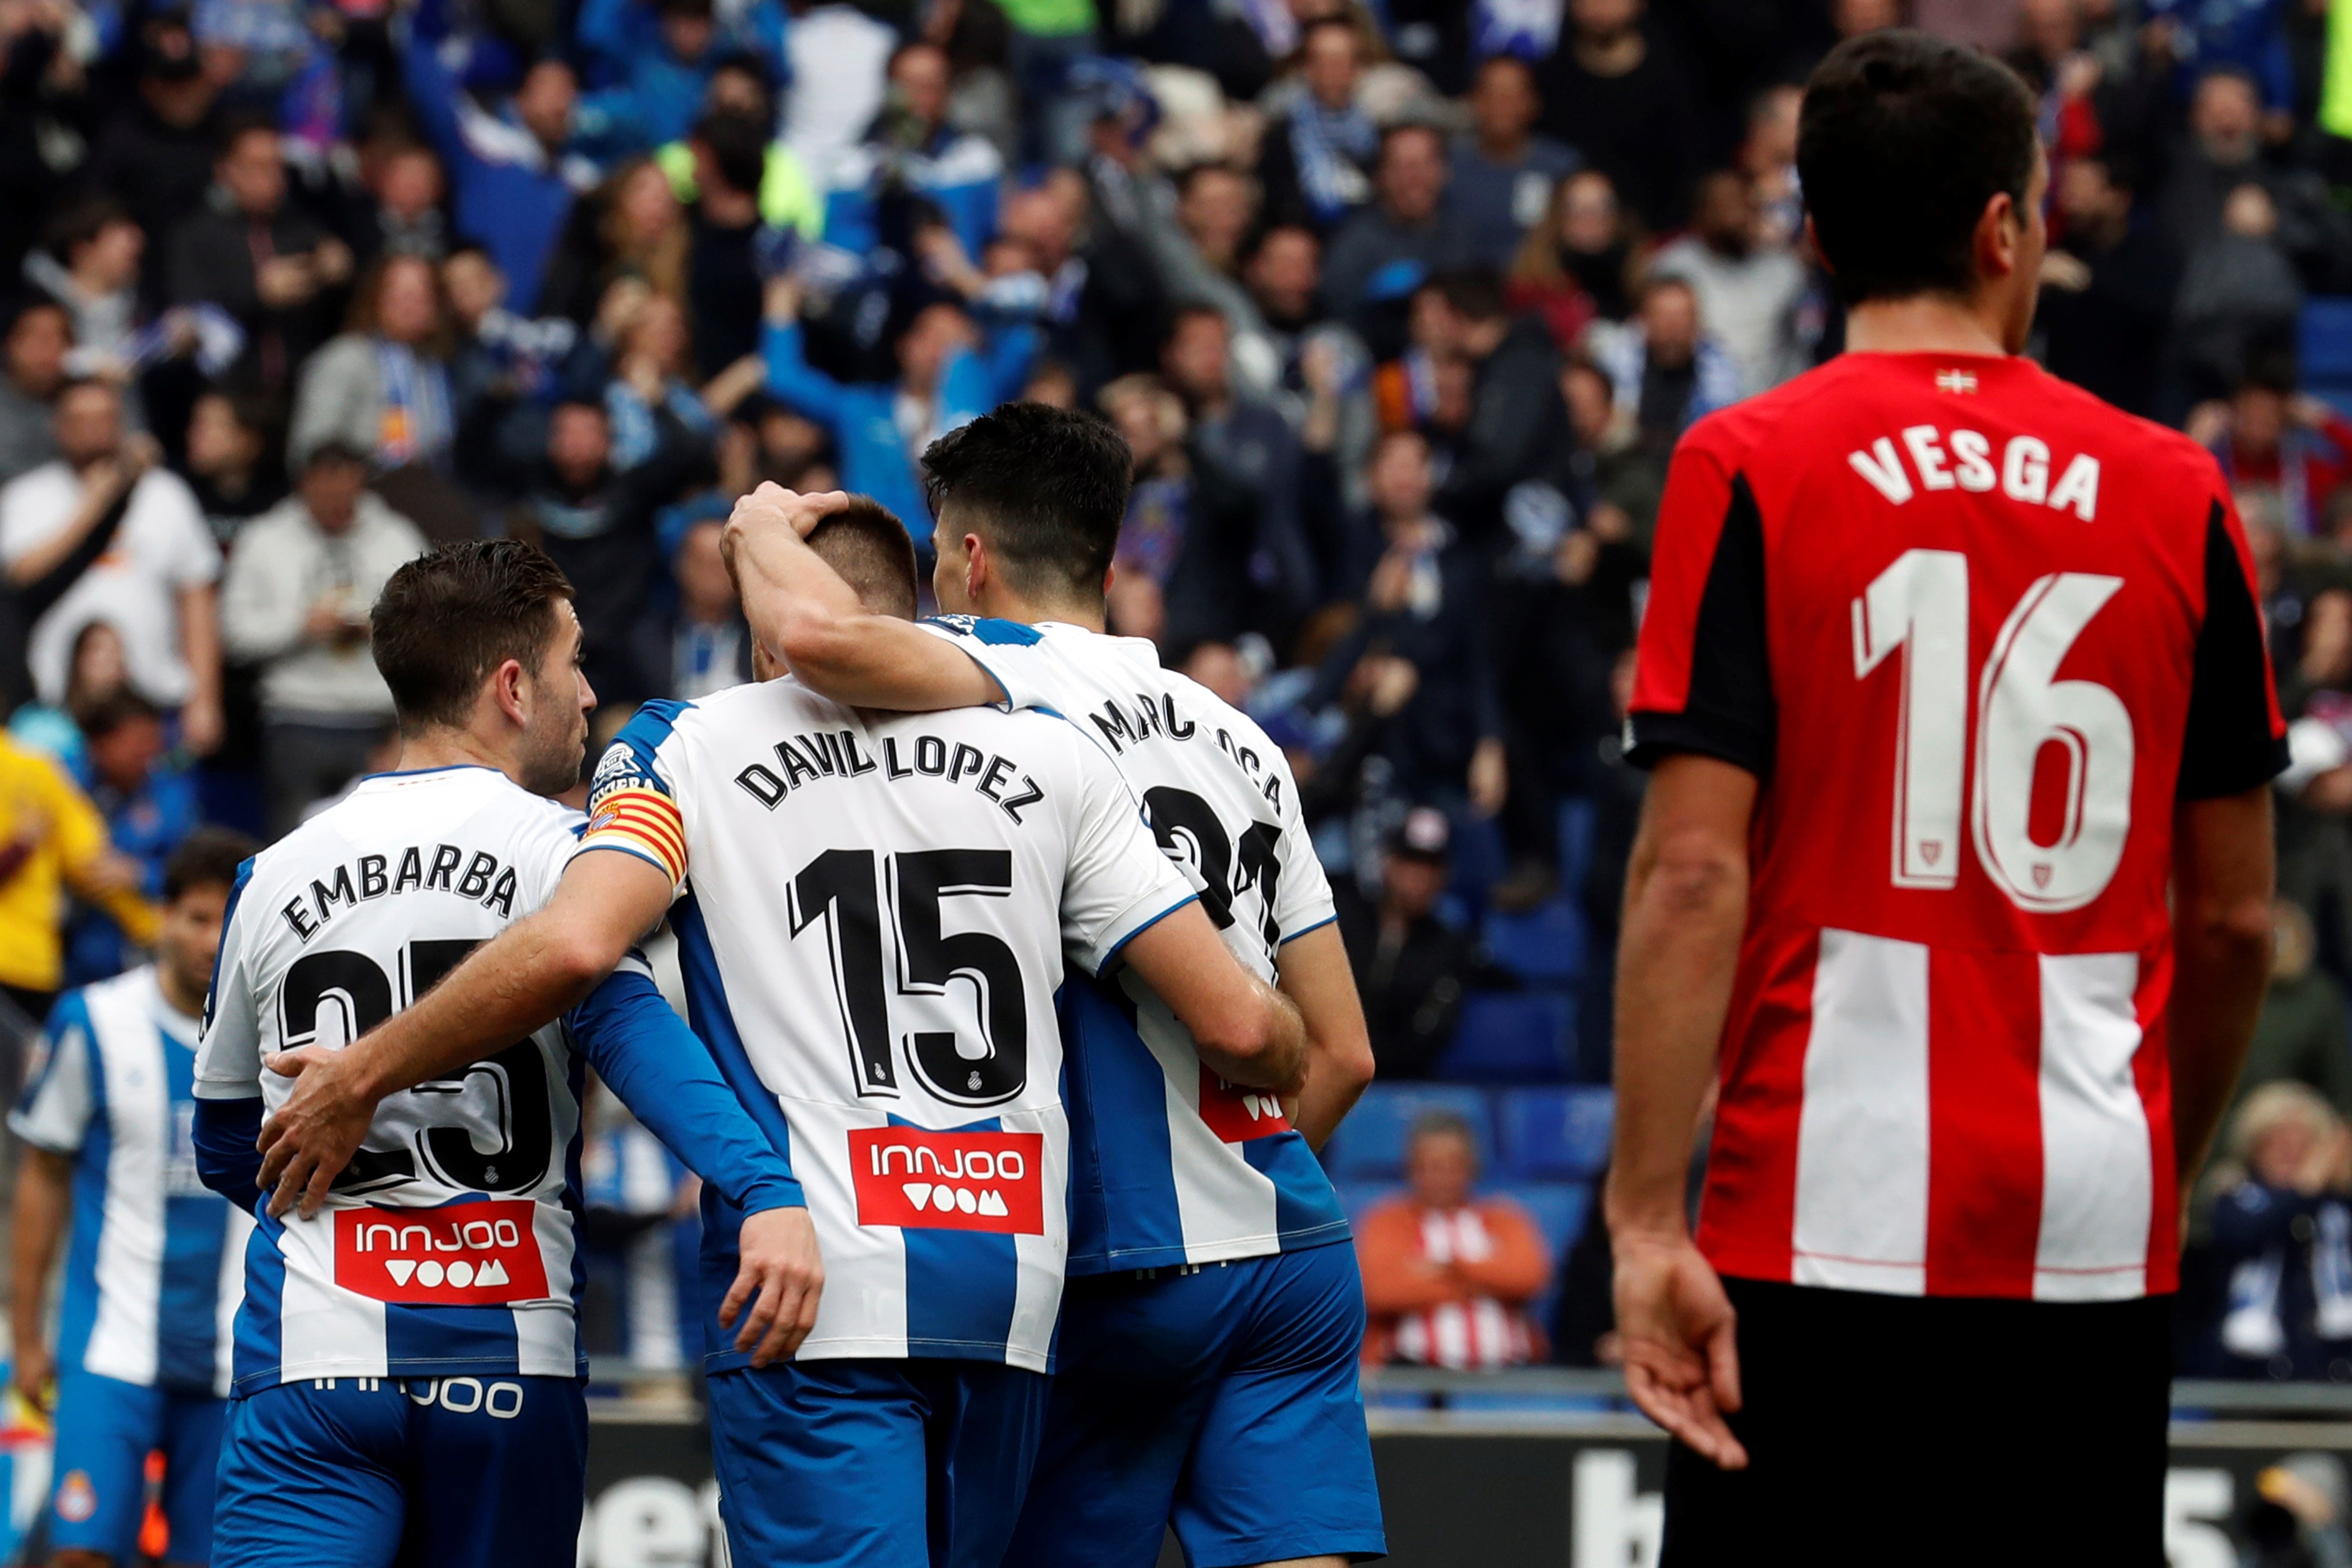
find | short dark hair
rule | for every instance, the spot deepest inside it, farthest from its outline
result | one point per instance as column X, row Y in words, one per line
column 1902, row 141
column 211, row 857
column 1047, row 487
column 238, row 124
column 455, row 613
column 103, row 716
column 738, row 147
column 870, row 548
column 1472, row 293
column 81, row 222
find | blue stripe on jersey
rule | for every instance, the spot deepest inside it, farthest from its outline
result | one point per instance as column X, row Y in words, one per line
column 228, row 923
column 961, row 1284
column 1123, row 1212
column 422, row 1339
column 714, row 1022
column 1307, row 1211
column 574, row 1191
column 259, row 1317
column 632, row 751
column 186, row 1316
column 77, row 1310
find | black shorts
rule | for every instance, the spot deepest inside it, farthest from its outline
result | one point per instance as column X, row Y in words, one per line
column 1885, row 1429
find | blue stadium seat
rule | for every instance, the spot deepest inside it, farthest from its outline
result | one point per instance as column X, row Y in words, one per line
column 1575, row 843
column 1555, row 1134
column 1544, row 947
column 1559, row 1208
column 2324, row 343
column 1369, row 1145
column 1519, row 1036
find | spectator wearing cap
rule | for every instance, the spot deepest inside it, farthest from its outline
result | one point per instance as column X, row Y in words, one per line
column 149, row 805
column 515, row 172
column 1448, row 1275
column 1503, row 174
column 1390, row 247
column 259, row 259
column 912, row 151
column 32, row 369
column 1747, row 292
column 154, row 583
column 296, row 603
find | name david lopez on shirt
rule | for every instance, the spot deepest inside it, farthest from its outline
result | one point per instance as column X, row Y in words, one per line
column 1964, row 460
column 835, row 753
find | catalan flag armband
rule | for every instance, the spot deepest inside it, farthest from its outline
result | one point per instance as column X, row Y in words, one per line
column 643, row 821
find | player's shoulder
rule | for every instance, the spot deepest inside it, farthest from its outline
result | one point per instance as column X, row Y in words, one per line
column 1763, row 424
column 988, row 630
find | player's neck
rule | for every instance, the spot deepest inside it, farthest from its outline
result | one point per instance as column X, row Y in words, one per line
column 1925, row 323
column 442, row 747
column 1035, row 612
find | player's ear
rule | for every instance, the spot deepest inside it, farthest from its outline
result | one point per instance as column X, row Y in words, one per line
column 976, row 566
column 506, row 690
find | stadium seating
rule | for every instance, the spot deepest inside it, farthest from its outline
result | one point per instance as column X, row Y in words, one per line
column 1558, row 1134
column 1512, row 1036
column 2324, row 349
column 1543, row 947
column 1369, row 1145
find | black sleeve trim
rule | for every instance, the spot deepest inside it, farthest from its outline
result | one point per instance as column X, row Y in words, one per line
column 2228, row 748
column 1729, row 711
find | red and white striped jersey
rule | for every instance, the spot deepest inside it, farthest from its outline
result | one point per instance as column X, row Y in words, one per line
column 1977, row 632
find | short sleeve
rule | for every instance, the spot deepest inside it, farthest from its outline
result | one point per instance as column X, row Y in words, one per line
column 1703, row 682
column 1118, row 881
column 192, row 556
column 1017, row 656
column 2236, row 737
column 60, row 1096
column 229, row 1054
column 631, row 801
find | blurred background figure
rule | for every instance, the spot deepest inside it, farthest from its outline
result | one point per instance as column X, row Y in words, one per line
column 1448, row 1275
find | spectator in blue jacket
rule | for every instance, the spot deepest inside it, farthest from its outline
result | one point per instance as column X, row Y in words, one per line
column 150, row 805
column 515, row 172
column 912, row 152
column 947, row 378
column 653, row 61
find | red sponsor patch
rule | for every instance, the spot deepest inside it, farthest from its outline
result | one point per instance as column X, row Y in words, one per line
column 950, row 1181
column 1237, row 1114
column 468, row 1255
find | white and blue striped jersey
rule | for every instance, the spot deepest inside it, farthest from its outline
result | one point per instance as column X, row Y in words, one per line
column 448, row 1245
column 876, row 917
column 1172, row 1164
column 155, row 1262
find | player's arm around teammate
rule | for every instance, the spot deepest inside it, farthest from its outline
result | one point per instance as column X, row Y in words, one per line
column 799, row 606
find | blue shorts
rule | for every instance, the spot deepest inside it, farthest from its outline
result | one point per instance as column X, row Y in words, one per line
column 106, row 1429
column 873, row 1464
column 1221, row 1399
column 368, row 1472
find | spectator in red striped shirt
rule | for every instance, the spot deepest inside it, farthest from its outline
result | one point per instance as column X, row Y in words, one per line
column 1448, row 1275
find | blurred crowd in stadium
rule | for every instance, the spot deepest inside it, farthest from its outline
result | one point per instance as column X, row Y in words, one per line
column 1401, row 304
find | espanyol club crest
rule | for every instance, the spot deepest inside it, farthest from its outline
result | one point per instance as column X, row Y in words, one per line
column 76, row 1498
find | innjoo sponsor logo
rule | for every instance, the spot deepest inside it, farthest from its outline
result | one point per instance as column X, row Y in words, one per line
column 468, row 1255
column 949, row 1181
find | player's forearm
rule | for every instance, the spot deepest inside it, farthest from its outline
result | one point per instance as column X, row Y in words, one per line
column 653, row 1062
column 1685, row 907
column 43, row 1202
column 1316, row 974
column 524, row 979
column 2222, row 883
column 1254, row 1037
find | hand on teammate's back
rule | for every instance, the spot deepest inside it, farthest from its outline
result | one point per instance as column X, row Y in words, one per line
column 780, row 1279
column 313, row 1135
column 1675, row 1326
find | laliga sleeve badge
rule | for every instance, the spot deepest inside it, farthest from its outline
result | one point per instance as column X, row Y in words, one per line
column 76, row 1498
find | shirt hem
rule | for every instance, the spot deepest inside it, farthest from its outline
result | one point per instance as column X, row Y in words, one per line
column 991, row 1351
column 1327, row 1234
column 253, row 1383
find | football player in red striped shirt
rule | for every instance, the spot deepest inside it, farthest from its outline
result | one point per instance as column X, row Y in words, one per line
column 1954, row 868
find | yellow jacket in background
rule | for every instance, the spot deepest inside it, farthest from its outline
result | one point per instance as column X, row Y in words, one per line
column 63, row 842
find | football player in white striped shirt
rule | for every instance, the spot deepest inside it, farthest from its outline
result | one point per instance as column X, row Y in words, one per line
column 1206, row 1245
column 153, row 1268
column 408, row 1379
column 873, row 936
